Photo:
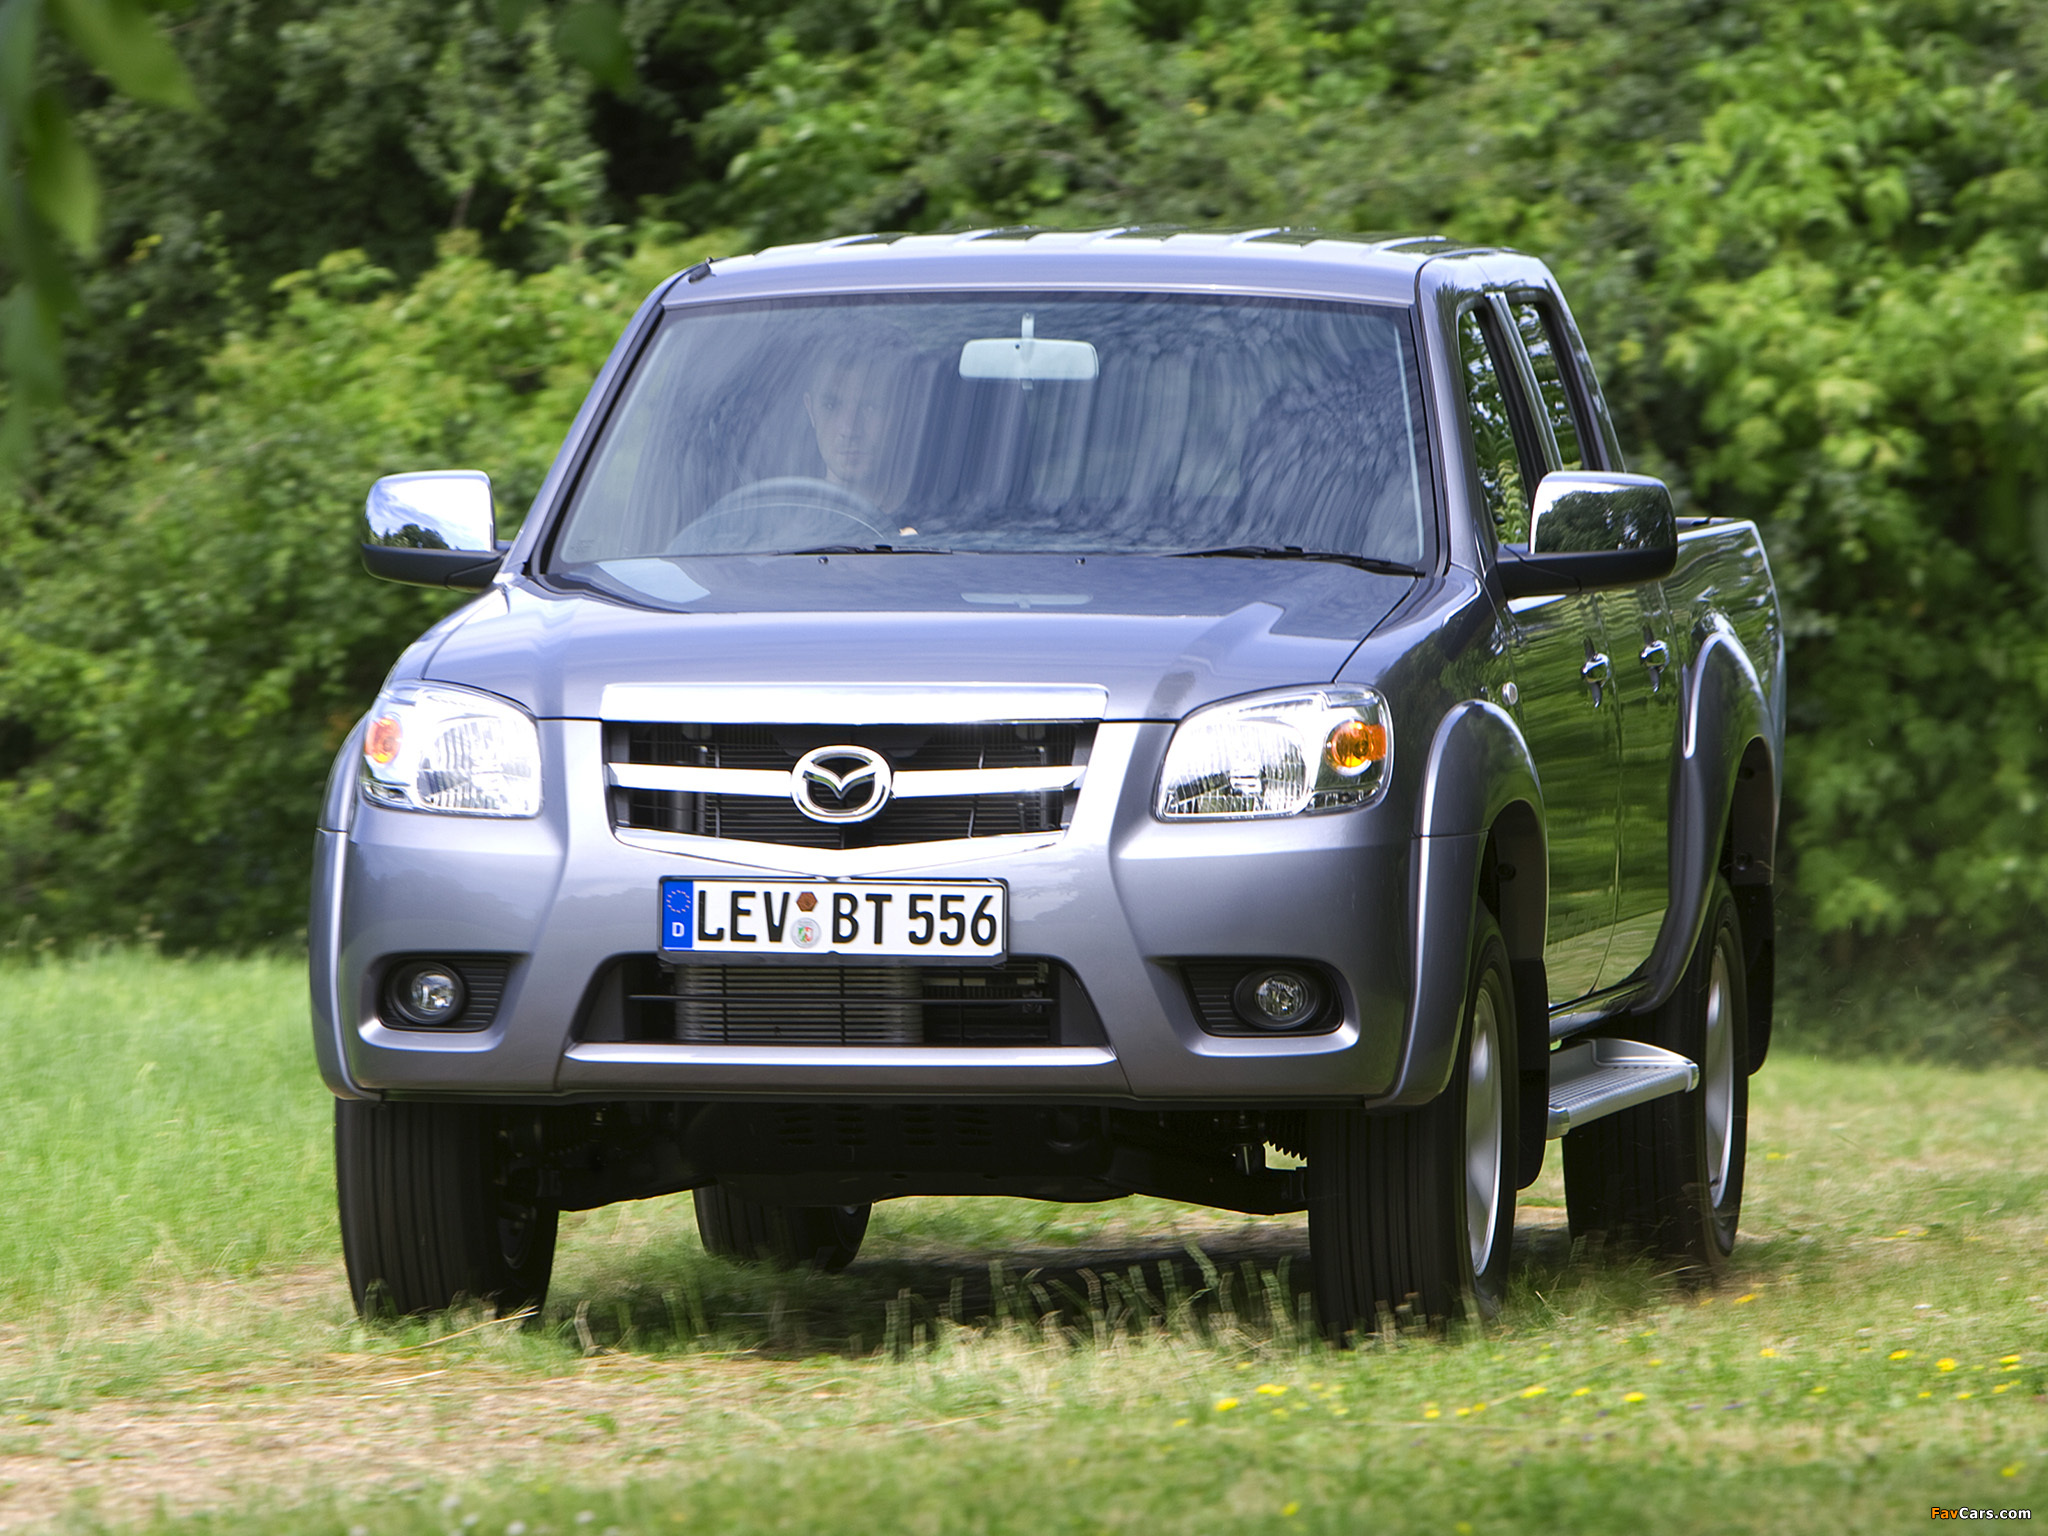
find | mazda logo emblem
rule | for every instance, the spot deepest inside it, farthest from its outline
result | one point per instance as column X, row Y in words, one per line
column 840, row 783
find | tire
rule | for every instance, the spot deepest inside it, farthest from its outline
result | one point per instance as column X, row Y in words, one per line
column 1411, row 1213
column 821, row 1237
column 1666, row 1177
column 430, row 1213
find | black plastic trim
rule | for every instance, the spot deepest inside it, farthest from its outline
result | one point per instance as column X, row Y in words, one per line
column 461, row 568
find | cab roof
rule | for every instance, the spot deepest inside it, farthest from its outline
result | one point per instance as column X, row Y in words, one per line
column 1274, row 258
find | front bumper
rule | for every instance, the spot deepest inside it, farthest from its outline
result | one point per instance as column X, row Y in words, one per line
column 1118, row 897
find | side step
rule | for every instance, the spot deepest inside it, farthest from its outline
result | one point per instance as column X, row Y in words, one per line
column 1598, row 1077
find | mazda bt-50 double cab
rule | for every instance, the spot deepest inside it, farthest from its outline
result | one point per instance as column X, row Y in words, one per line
column 1067, row 716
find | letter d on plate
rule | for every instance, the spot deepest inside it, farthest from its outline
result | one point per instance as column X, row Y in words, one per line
column 678, row 914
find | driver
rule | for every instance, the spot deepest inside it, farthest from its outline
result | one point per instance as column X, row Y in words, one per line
column 861, row 410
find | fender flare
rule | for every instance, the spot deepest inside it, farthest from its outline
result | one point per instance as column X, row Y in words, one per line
column 1724, row 790
column 1479, row 775
column 323, row 919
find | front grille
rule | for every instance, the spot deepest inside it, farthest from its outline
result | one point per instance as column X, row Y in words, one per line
column 1023, row 1002
column 763, row 818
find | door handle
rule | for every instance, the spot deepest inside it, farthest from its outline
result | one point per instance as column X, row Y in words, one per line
column 1597, row 670
column 1656, row 656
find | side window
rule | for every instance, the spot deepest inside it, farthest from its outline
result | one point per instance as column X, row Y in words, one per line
column 1501, row 477
column 1540, row 341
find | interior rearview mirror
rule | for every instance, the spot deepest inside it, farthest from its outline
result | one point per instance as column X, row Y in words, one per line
column 432, row 529
column 1591, row 530
column 1028, row 357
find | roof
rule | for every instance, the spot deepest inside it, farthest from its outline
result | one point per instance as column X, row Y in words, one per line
column 1307, row 260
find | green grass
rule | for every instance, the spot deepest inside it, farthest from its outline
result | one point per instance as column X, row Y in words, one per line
column 173, row 1325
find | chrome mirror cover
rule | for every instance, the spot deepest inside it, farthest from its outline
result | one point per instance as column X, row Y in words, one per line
column 434, row 509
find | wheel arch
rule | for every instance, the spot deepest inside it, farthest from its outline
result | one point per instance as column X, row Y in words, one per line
column 1479, row 838
column 1724, row 807
column 1746, row 855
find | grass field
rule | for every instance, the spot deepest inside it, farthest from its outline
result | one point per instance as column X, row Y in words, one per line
column 177, row 1354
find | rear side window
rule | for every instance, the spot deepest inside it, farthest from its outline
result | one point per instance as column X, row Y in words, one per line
column 1502, row 480
column 1540, row 340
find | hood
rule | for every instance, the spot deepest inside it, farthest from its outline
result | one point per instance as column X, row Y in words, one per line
column 1161, row 635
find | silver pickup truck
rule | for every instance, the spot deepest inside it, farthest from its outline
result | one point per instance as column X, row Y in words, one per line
column 1065, row 716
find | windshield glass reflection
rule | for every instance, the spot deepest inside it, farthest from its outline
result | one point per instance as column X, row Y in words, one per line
column 1032, row 422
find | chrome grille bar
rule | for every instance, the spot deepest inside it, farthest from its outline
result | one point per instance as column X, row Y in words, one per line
column 909, row 785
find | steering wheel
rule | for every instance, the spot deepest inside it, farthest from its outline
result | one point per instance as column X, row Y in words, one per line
column 770, row 514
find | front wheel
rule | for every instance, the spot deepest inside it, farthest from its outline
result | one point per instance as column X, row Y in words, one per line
column 823, row 1237
column 432, row 1210
column 1667, row 1176
column 1412, row 1212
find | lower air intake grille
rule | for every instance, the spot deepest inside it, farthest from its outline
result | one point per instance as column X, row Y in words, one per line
column 1016, row 1004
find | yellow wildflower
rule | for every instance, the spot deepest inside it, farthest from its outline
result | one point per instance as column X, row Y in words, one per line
column 1634, row 1397
column 1944, row 1364
column 1534, row 1391
column 1225, row 1404
column 1900, row 1354
column 1269, row 1390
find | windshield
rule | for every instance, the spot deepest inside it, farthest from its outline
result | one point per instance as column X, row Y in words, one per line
column 1042, row 422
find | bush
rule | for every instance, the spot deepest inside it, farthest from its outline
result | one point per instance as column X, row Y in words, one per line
column 195, row 633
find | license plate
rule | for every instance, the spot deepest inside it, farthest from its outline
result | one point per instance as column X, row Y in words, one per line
column 943, row 919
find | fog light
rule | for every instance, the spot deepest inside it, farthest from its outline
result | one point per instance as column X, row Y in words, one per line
column 428, row 994
column 1278, row 999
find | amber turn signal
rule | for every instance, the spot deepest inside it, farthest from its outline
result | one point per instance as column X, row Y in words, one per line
column 1356, row 745
column 380, row 742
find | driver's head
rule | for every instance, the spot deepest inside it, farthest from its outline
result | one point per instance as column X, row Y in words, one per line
column 860, row 408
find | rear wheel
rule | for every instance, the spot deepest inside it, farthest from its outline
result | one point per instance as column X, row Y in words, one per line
column 823, row 1237
column 432, row 1212
column 1667, row 1176
column 1412, row 1212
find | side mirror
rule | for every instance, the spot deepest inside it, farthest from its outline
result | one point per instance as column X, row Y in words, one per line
column 433, row 530
column 1592, row 530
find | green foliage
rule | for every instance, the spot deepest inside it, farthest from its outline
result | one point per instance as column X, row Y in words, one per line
column 49, row 189
column 1853, row 281
column 200, row 635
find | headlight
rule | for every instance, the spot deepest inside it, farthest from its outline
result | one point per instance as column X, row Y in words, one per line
column 1278, row 754
column 429, row 747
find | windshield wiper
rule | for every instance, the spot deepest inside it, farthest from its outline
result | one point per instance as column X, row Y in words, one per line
column 861, row 549
column 1295, row 552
